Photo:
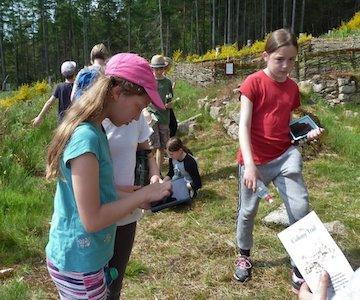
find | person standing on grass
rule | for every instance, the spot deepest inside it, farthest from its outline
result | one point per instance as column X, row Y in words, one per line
column 86, row 203
column 87, row 75
column 266, row 153
column 124, row 141
column 62, row 93
column 173, row 125
column 161, row 129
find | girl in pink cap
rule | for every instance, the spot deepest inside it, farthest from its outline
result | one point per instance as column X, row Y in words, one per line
column 86, row 203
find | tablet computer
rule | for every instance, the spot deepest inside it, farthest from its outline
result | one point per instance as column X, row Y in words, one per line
column 180, row 194
column 299, row 128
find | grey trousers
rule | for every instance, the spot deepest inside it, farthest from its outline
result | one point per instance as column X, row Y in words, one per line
column 286, row 174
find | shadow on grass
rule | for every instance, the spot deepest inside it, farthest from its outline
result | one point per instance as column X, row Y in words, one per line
column 262, row 263
column 353, row 255
column 222, row 173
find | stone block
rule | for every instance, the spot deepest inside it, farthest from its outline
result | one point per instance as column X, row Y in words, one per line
column 347, row 89
column 344, row 97
column 215, row 111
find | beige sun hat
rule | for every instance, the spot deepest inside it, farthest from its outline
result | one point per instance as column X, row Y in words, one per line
column 158, row 61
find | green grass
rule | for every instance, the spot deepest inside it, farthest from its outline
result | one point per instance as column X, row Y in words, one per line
column 186, row 252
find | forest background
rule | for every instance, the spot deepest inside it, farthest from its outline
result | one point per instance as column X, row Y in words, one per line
column 36, row 36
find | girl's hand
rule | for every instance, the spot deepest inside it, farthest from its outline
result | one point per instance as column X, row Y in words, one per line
column 251, row 174
column 154, row 192
column 319, row 294
column 155, row 178
column 313, row 134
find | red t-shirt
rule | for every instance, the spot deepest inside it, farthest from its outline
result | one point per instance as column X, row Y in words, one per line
column 273, row 103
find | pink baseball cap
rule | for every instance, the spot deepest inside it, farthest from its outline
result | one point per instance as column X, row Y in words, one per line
column 134, row 68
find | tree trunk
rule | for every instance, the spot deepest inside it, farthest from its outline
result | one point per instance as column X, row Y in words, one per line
column 213, row 25
column 44, row 38
column 197, row 27
column 2, row 54
column 284, row 14
column 302, row 16
column 265, row 18
column 229, row 22
column 129, row 25
column 161, row 29
column 237, row 22
column 293, row 16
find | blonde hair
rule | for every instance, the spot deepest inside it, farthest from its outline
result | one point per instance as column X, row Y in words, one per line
column 87, row 108
column 99, row 51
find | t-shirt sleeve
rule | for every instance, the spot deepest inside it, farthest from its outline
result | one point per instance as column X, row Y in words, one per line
column 249, row 88
column 145, row 129
column 83, row 140
column 191, row 167
column 56, row 93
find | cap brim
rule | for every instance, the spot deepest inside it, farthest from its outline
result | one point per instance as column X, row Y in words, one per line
column 158, row 66
column 155, row 98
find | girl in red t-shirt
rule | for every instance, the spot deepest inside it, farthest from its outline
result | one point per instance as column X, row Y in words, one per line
column 268, row 98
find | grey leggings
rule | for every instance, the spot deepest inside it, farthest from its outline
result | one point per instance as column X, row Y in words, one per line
column 286, row 174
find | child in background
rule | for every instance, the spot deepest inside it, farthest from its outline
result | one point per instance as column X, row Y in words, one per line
column 62, row 93
column 161, row 129
column 182, row 165
column 268, row 98
column 87, row 75
column 173, row 122
column 82, row 233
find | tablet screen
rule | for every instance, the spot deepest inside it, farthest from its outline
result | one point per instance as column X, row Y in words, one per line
column 300, row 127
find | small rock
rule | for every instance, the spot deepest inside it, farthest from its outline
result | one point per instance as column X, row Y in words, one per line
column 278, row 216
column 232, row 177
column 318, row 87
column 344, row 97
column 343, row 81
column 335, row 227
column 215, row 111
column 349, row 113
column 4, row 273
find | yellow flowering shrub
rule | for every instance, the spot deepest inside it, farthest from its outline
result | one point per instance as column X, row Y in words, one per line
column 353, row 24
column 177, row 55
column 304, row 37
column 24, row 93
column 41, row 87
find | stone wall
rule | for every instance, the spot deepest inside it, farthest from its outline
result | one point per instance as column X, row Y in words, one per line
column 319, row 56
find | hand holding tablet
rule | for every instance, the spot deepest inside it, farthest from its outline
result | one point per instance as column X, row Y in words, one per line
column 304, row 129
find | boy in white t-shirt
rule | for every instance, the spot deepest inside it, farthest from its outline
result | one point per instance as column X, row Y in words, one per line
column 124, row 141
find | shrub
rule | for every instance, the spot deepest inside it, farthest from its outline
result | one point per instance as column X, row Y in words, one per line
column 177, row 55
column 25, row 92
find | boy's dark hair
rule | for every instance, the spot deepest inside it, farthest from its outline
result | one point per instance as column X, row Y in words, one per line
column 280, row 38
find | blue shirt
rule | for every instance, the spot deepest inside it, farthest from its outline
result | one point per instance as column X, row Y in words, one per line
column 70, row 247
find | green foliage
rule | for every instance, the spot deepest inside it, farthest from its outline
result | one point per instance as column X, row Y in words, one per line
column 352, row 27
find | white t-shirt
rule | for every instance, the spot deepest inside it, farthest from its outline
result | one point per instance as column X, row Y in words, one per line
column 123, row 142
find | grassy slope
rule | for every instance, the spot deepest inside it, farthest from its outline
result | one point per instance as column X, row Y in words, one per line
column 181, row 253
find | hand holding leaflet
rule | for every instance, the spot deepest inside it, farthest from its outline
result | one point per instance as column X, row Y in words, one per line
column 313, row 250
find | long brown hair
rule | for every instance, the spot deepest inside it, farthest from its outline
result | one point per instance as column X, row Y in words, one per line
column 175, row 144
column 87, row 108
column 280, row 38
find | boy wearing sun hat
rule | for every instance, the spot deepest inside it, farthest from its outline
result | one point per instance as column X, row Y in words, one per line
column 62, row 92
column 161, row 129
